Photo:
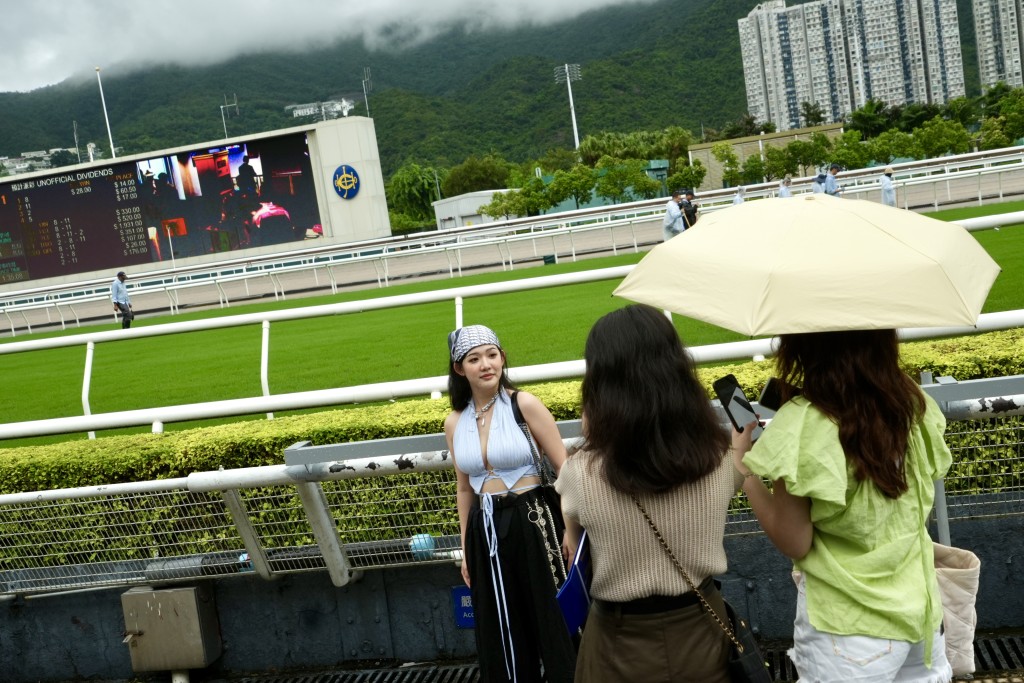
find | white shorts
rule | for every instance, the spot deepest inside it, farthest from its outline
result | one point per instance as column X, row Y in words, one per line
column 826, row 658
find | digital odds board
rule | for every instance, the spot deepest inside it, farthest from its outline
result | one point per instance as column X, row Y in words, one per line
column 203, row 201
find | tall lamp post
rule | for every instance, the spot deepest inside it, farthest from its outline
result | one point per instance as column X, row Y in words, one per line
column 367, row 88
column 103, row 101
column 224, row 106
column 568, row 73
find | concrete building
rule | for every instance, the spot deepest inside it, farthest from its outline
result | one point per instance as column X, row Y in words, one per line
column 997, row 29
column 840, row 53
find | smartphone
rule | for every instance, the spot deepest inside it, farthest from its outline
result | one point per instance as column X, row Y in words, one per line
column 771, row 395
column 736, row 405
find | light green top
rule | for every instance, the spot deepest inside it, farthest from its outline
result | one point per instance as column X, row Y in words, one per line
column 870, row 570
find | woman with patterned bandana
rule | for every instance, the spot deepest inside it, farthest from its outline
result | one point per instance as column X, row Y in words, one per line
column 511, row 538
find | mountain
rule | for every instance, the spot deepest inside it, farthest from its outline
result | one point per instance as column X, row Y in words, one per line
column 644, row 66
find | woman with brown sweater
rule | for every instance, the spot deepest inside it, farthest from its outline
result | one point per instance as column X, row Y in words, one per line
column 651, row 440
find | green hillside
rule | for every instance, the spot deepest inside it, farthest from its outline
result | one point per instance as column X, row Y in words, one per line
column 644, row 66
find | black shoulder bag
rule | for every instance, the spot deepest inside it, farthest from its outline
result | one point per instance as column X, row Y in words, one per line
column 745, row 663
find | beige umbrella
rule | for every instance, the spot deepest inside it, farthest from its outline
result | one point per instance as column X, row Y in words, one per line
column 816, row 263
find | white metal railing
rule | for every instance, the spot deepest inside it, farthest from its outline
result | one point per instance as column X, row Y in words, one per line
column 352, row 507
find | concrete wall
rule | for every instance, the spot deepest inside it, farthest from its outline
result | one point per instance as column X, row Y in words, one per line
column 406, row 614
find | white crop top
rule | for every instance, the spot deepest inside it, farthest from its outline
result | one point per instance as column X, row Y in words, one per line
column 508, row 451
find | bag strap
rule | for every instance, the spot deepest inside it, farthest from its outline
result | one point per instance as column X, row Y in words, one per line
column 542, row 471
column 707, row 607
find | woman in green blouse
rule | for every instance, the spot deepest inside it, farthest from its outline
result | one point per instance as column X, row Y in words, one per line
column 853, row 456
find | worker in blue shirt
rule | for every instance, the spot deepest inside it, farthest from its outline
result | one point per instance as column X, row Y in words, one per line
column 122, row 304
column 831, row 184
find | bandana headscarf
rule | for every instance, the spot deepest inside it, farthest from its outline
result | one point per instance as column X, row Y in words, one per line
column 464, row 339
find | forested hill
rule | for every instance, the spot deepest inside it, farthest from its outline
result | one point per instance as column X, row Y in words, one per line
column 644, row 66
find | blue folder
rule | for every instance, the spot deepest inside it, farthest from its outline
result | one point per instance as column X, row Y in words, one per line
column 574, row 595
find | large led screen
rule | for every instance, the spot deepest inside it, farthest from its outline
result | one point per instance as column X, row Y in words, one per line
column 157, row 210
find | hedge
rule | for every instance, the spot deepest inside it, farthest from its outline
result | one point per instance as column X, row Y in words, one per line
column 144, row 457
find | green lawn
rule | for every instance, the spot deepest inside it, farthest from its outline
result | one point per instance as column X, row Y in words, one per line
column 539, row 326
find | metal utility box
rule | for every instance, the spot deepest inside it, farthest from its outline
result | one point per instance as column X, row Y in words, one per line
column 171, row 630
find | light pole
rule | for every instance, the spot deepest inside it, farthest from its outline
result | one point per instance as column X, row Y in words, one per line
column 103, row 101
column 367, row 88
column 568, row 73
column 227, row 106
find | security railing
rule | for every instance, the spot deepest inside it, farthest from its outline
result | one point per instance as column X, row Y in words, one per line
column 348, row 508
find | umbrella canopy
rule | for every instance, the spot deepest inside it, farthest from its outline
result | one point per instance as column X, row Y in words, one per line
column 816, row 263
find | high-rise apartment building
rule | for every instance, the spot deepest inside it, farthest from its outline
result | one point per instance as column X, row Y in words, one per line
column 997, row 29
column 840, row 53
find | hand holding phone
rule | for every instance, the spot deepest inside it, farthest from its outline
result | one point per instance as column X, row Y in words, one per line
column 736, row 405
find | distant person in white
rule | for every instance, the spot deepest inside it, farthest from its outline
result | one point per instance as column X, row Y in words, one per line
column 738, row 197
column 888, row 189
column 122, row 304
column 784, row 190
column 818, row 184
column 672, row 224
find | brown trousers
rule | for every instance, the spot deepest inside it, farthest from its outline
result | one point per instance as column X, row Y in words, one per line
column 670, row 647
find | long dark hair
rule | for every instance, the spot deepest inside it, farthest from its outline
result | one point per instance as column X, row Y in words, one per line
column 649, row 422
column 459, row 391
column 855, row 379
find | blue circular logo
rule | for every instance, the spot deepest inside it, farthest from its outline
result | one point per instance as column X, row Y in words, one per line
column 346, row 182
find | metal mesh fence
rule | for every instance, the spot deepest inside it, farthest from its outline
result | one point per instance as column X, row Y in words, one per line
column 169, row 536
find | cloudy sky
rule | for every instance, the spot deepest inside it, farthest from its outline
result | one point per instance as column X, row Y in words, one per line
column 46, row 41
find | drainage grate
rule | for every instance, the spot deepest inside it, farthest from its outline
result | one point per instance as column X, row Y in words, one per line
column 992, row 654
column 451, row 673
column 779, row 667
column 999, row 653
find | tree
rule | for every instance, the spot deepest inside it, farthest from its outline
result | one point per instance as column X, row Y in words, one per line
column 503, row 205
column 534, row 198
column 691, row 176
column 913, row 115
column 991, row 135
column 871, row 119
column 726, row 156
column 778, row 162
column 62, row 157
column 576, row 183
column 849, row 151
column 477, row 173
column 810, row 154
column 939, row 137
column 963, row 110
column 412, row 189
column 893, row 144
column 617, row 177
column 753, row 170
column 812, row 114
column 1011, row 110
column 558, row 159
column 675, row 143
column 991, row 99
column 745, row 126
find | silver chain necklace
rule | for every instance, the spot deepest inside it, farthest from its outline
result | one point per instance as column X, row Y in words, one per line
column 481, row 416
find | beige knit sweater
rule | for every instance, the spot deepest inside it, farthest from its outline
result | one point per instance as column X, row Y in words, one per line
column 628, row 561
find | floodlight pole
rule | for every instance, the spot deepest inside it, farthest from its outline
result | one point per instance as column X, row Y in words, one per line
column 570, row 73
column 367, row 87
column 113, row 154
column 227, row 106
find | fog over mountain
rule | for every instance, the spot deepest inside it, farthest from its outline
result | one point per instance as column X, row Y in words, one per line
column 48, row 41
